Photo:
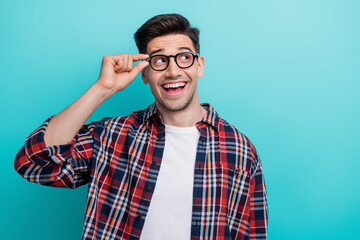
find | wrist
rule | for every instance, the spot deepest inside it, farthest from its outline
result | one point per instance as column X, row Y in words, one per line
column 101, row 92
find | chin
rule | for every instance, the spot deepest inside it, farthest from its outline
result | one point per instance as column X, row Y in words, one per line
column 175, row 106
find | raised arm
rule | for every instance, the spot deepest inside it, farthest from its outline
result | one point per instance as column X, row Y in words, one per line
column 58, row 153
column 117, row 72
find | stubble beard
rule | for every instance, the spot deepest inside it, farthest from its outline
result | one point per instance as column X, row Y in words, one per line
column 175, row 107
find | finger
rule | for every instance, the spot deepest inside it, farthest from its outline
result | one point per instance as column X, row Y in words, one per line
column 125, row 64
column 119, row 61
column 130, row 62
column 137, row 57
column 138, row 68
column 117, row 68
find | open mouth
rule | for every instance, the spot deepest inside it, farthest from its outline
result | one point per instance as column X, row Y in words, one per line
column 174, row 89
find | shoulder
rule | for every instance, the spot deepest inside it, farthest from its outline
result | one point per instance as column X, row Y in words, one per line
column 238, row 143
column 120, row 123
column 232, row 134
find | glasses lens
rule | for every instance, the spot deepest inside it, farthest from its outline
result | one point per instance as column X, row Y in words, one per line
column 159, row 62
column 185, row 60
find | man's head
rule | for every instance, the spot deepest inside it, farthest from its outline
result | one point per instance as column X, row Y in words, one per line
column 172, row 80
column 165, row 24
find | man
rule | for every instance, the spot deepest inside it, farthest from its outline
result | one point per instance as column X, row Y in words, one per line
column 175, row 170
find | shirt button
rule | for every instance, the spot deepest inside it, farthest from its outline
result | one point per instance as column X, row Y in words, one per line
column 154, row 162
column 138, row 217
column 148, row 188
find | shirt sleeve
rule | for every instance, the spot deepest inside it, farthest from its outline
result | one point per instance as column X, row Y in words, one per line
column 65, row 165
column 258, row 202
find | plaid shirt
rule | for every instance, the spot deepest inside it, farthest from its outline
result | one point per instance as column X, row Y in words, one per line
column 120, row 158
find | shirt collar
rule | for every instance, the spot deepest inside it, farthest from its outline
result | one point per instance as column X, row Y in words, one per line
column 151, row 113
column 211, row 117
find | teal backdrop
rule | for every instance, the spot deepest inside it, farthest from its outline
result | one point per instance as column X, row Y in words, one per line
column 285, row 73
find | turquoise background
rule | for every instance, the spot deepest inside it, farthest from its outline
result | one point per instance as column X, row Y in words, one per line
column 285, row 73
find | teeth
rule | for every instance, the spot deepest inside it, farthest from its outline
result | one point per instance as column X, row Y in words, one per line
column 174, row 85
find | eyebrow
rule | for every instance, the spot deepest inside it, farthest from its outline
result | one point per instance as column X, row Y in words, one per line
column 162, row 49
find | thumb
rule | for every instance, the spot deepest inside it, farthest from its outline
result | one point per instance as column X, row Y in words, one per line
column 138, row 68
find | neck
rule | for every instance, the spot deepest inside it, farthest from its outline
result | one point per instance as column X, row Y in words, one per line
column 187, row 117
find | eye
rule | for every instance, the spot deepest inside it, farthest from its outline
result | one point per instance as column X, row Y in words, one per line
column 184, row 58
column 158, row 60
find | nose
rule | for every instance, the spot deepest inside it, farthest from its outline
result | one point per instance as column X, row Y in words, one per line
column 173, row 69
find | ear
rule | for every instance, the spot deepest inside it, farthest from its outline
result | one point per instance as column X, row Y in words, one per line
column 144, row 76
column 201, row 66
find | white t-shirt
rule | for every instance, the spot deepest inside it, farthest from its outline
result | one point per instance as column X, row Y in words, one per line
column 170, row 211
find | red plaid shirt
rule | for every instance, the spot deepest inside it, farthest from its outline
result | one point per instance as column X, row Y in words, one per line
column 120, row 158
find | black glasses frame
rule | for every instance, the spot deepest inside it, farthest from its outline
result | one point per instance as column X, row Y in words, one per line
column 195, row 55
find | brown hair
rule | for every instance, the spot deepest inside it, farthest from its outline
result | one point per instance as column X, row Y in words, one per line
column 165, row 24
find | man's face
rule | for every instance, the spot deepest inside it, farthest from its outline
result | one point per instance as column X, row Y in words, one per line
column 174, row 88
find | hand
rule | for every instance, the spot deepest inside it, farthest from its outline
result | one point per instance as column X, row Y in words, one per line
column 117, row 71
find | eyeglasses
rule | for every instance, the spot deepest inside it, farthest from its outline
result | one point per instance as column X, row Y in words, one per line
column 161, row 62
